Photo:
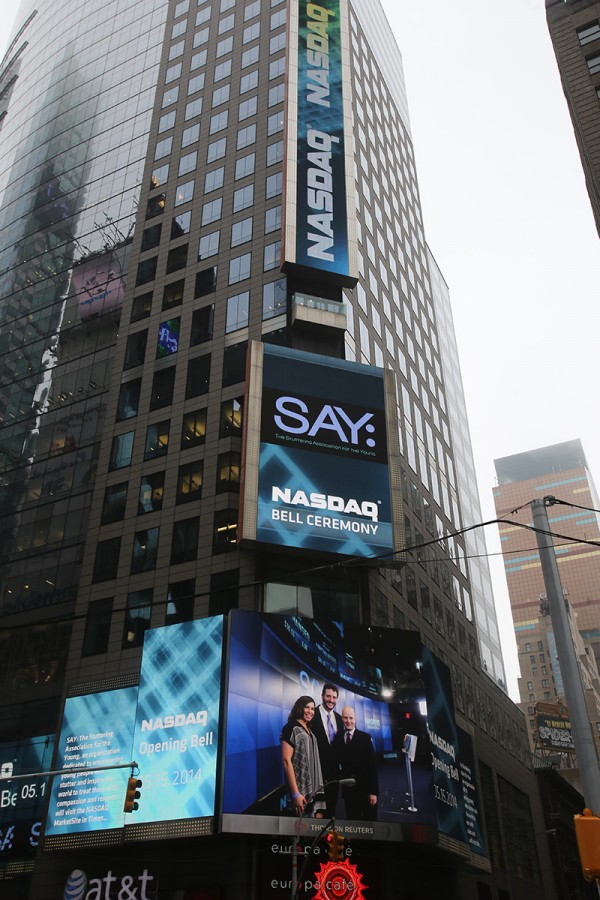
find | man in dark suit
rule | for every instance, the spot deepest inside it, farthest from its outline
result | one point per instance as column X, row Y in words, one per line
column 327, row 727
column 358, row 761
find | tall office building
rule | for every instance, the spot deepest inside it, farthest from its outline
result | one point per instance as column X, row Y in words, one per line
column 574, row 27
column 205, row 203
column 559, row 471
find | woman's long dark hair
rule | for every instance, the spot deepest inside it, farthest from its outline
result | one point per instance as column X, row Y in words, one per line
column 297, row 709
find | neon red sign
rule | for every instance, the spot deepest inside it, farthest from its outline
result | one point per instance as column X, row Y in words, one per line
column 339, row 881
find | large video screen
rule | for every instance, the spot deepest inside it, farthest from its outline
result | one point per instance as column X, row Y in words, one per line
column 275, row 660
column 323, row 474
column 22, row 802
column 176, row 739
column 97, row 730
column 169, row 726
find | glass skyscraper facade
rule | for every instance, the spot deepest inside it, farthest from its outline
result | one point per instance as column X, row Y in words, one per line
column 146, row 172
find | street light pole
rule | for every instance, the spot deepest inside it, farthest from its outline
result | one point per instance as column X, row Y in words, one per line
column 587, row 758
column 345, row 782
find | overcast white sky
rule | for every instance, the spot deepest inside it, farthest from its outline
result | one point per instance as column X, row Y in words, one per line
column 508, row 219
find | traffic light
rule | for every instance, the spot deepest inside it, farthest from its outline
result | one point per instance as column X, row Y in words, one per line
column 335, row 849
column 587, row 831
column 132, row 794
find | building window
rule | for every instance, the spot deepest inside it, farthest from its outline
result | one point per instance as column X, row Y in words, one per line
column 181, row 224
column 193, row 109
column 271, row 256
column 232, row 417
column 272, row 219
column 184, row 547
column 152, row 488
column 157, row 439
column 189, row 482
column 588, row 33
column 198, row 60
column 209, row 245
column 173, row 73
column 275, row 123
column 221, row 94
column 177, row 259
column 201, row 37
column 218, row 122
column 234, row 363
column 106, row 562
column 129, row 399
column 193, row 432
column 163, row 383
column 237, row 311
column 188, row 163
column 146, row 271
column 121, row 450
column 97, row 627
column 216, row 150
column 214, row 180
column 151, row 237
column 249, row 82
column 211, row 211
column 245, row 166
column 195, row 84
column 223, row 592
column 274, row 298
column 198, row 374
column 184, row 192
column 115, row 498
column 276, row 94
column 250, row 57
column 167, row 121
column 241, row 232
column 135, row 349
column 274, row 153
column 228, row 471
column 251, row 33
column 141, row 307
column 137, row 618
column 202, row 325
column 239, row 268
column 206, row 282
column 224, row 47
column 225, row 530
column 243, row 198
column 159, row 176
column 593, row 64
column 180, row 601
column 190, row 135
column 247, row 108
column 274, row 185
column 145, row 549
column 173, row 294
column 246, row 137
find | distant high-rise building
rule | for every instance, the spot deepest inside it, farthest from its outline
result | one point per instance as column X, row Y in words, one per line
column 558, row 471
column 575, row 32
column 195, row 193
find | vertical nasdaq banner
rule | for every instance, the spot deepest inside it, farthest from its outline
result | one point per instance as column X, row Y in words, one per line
column 176, row 739
column 320, row 228
column 316, row 468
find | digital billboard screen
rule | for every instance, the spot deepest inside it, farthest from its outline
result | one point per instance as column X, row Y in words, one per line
column 169, row 726
column 275, row 660
column 22, row 801
column 97, row 730
column 453, row 761
column 319, row 477
column 176, row 741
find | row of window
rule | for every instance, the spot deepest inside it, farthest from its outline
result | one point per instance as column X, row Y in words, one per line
column 184, row 545
column 189, row 487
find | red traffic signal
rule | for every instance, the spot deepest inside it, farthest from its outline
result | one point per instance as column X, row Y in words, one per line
column 587, row 832
column 335, row 848
column 132, row 794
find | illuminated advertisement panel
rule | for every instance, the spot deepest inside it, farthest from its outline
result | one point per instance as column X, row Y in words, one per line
column 319, row 194
column 554, row 732
column 97, row 730
column 98, row 284
column 276, row 660
column 22, row 802
column 316, row 473
column 176, row 738
column 454, row 777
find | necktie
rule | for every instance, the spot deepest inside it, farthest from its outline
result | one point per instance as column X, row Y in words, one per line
column 348, row 737
column 330, row 728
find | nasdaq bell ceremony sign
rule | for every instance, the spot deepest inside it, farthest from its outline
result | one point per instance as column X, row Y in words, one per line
column 323, row 473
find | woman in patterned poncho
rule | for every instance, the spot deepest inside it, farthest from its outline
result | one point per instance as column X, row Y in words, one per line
column 300, row 758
